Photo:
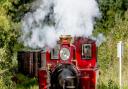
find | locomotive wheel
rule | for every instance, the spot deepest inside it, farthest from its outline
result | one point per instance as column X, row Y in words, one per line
column 64, row 77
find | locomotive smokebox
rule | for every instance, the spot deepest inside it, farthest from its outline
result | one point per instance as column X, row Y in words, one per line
column 64, row 76
column 65, row 39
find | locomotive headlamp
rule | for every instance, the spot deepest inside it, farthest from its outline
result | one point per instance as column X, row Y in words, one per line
column 64, row 53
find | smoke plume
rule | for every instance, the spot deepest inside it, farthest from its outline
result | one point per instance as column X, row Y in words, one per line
column 52, row 18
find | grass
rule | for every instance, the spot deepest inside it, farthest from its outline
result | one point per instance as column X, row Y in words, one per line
column 31, row 83
column 109, row 85
column 19, row 82
column 26, row 83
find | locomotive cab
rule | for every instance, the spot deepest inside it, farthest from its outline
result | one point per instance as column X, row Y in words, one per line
column 70, row 65
column 86, row 59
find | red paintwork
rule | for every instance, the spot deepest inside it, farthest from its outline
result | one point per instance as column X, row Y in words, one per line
column 85, row 63
column 42, row 78
column 87, row 68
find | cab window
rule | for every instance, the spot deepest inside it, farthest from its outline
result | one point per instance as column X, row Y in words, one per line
column 55, row 52
column 86, row 51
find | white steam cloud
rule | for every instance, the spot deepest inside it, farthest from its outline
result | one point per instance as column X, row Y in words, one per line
column 52, row 18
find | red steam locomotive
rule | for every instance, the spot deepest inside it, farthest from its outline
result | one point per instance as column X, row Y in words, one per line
column 72, row 64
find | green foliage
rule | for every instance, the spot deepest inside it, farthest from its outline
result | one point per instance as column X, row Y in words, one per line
column 5, row 80
column 26, row 83
column 110, row 85
column 18, row 9
column 114, row 25
column 20, row 81
column 11, row 12
column 111, row 10
column 10, row 17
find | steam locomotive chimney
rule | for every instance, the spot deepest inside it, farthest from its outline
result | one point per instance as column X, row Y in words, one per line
column 65, row 39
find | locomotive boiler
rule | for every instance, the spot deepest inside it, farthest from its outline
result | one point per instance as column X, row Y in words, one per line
column 72, row 64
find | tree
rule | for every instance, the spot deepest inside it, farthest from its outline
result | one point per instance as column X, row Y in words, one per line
column 11, row 13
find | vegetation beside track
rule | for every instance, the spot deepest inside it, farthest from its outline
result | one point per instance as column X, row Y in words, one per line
column 113, row 25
